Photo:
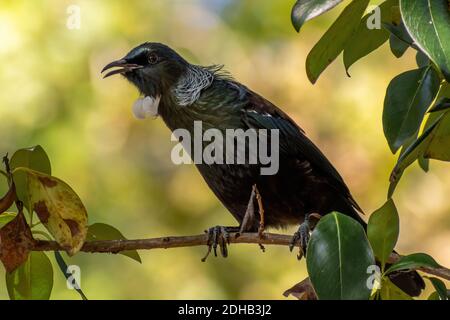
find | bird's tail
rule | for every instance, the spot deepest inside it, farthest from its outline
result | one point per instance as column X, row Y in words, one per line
column 409, row 281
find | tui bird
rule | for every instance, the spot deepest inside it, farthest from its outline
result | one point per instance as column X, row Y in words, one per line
column 306, row 185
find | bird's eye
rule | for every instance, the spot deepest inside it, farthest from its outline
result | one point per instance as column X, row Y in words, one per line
column 153, row 58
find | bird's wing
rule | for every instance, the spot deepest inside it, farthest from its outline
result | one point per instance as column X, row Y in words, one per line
column 261, row 114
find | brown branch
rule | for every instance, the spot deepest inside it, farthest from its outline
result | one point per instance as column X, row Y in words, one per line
column 115, row 246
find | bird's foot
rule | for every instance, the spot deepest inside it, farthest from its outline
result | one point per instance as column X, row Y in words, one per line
column 302, row 235
column 219, row 236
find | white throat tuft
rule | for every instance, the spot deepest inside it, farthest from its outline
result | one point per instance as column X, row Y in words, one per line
column 146, row 107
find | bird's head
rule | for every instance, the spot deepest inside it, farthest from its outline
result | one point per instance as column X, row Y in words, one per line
column 152, row 67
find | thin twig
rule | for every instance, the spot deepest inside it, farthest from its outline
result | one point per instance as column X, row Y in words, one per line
column 115, row 246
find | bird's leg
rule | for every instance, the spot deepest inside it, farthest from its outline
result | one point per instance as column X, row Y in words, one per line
column 218, row 236
column 302, row 235
column 249, row 217
column 261, row 211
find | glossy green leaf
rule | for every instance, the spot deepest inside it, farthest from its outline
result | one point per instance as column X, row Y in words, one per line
column 102, row 231
column 334, row 40
column 338, row 257
column 34, row 158
column 59, row 209
column 408, row 97
column 305, row 10
column 6, row 217
column 389, row 291
column 428, row 23
column 368, row 37
column 440, row 288
column 413, row 261
column 383, row 231
column 33, row 280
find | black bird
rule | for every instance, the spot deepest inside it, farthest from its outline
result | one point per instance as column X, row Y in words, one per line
column 306, row 184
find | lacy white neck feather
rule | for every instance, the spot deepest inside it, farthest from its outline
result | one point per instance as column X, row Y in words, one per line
column 196, row 79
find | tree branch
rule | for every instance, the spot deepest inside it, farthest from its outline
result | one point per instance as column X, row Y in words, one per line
column 115, row 246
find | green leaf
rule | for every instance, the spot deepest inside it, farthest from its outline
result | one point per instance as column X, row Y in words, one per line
column 33, row 280
column 383, row 230
column 424, row 164
column 439, row 146
column 412, row 153
column 398, row 47
column 338, row 257
column 59, row 209
column 422, row 60
column 6, row 217
column 434, row 296
column 441, row 105
column 413, row 261
column 389, row 291
column 440, row 288
column 34, row 158
column 408, row 97
column 305, row 10
column 428, row 23
column 102, row 231
column 334, row 40
column 365, row 39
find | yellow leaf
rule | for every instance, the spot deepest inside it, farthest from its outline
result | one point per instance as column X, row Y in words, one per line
column 59, row 208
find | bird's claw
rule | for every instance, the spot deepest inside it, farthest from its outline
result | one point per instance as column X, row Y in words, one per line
column 303, row 234
column 301, row 237
column 218, row 236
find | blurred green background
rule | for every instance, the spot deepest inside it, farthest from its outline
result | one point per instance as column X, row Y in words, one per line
column 52, row 94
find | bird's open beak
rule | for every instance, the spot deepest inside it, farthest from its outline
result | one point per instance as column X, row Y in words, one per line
column 122, row 67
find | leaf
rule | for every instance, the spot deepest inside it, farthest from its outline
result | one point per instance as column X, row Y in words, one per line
column 413, row 261
column 383, row 231
column 411, row 154
column 59, row 208
column 334, row 40
column 33, row 158
column 15, row 243
column 338, row 257
column 439, row 146
column 8, row 199
column 428, row 23
column 63, row 267
column 302, row 291
column 440, row 288
column 407, row 99
column 424, row 164
column 421, row 59
column 441, row 105
column 366, row 40
column 102, row 231
column 399, row 40
column 33, row 280
column 434, row 296
column 398, row 47
column 6, row 218
column 389, row 291
column 305, row 10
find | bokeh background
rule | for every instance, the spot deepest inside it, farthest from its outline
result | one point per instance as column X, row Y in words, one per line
column 52, row 94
